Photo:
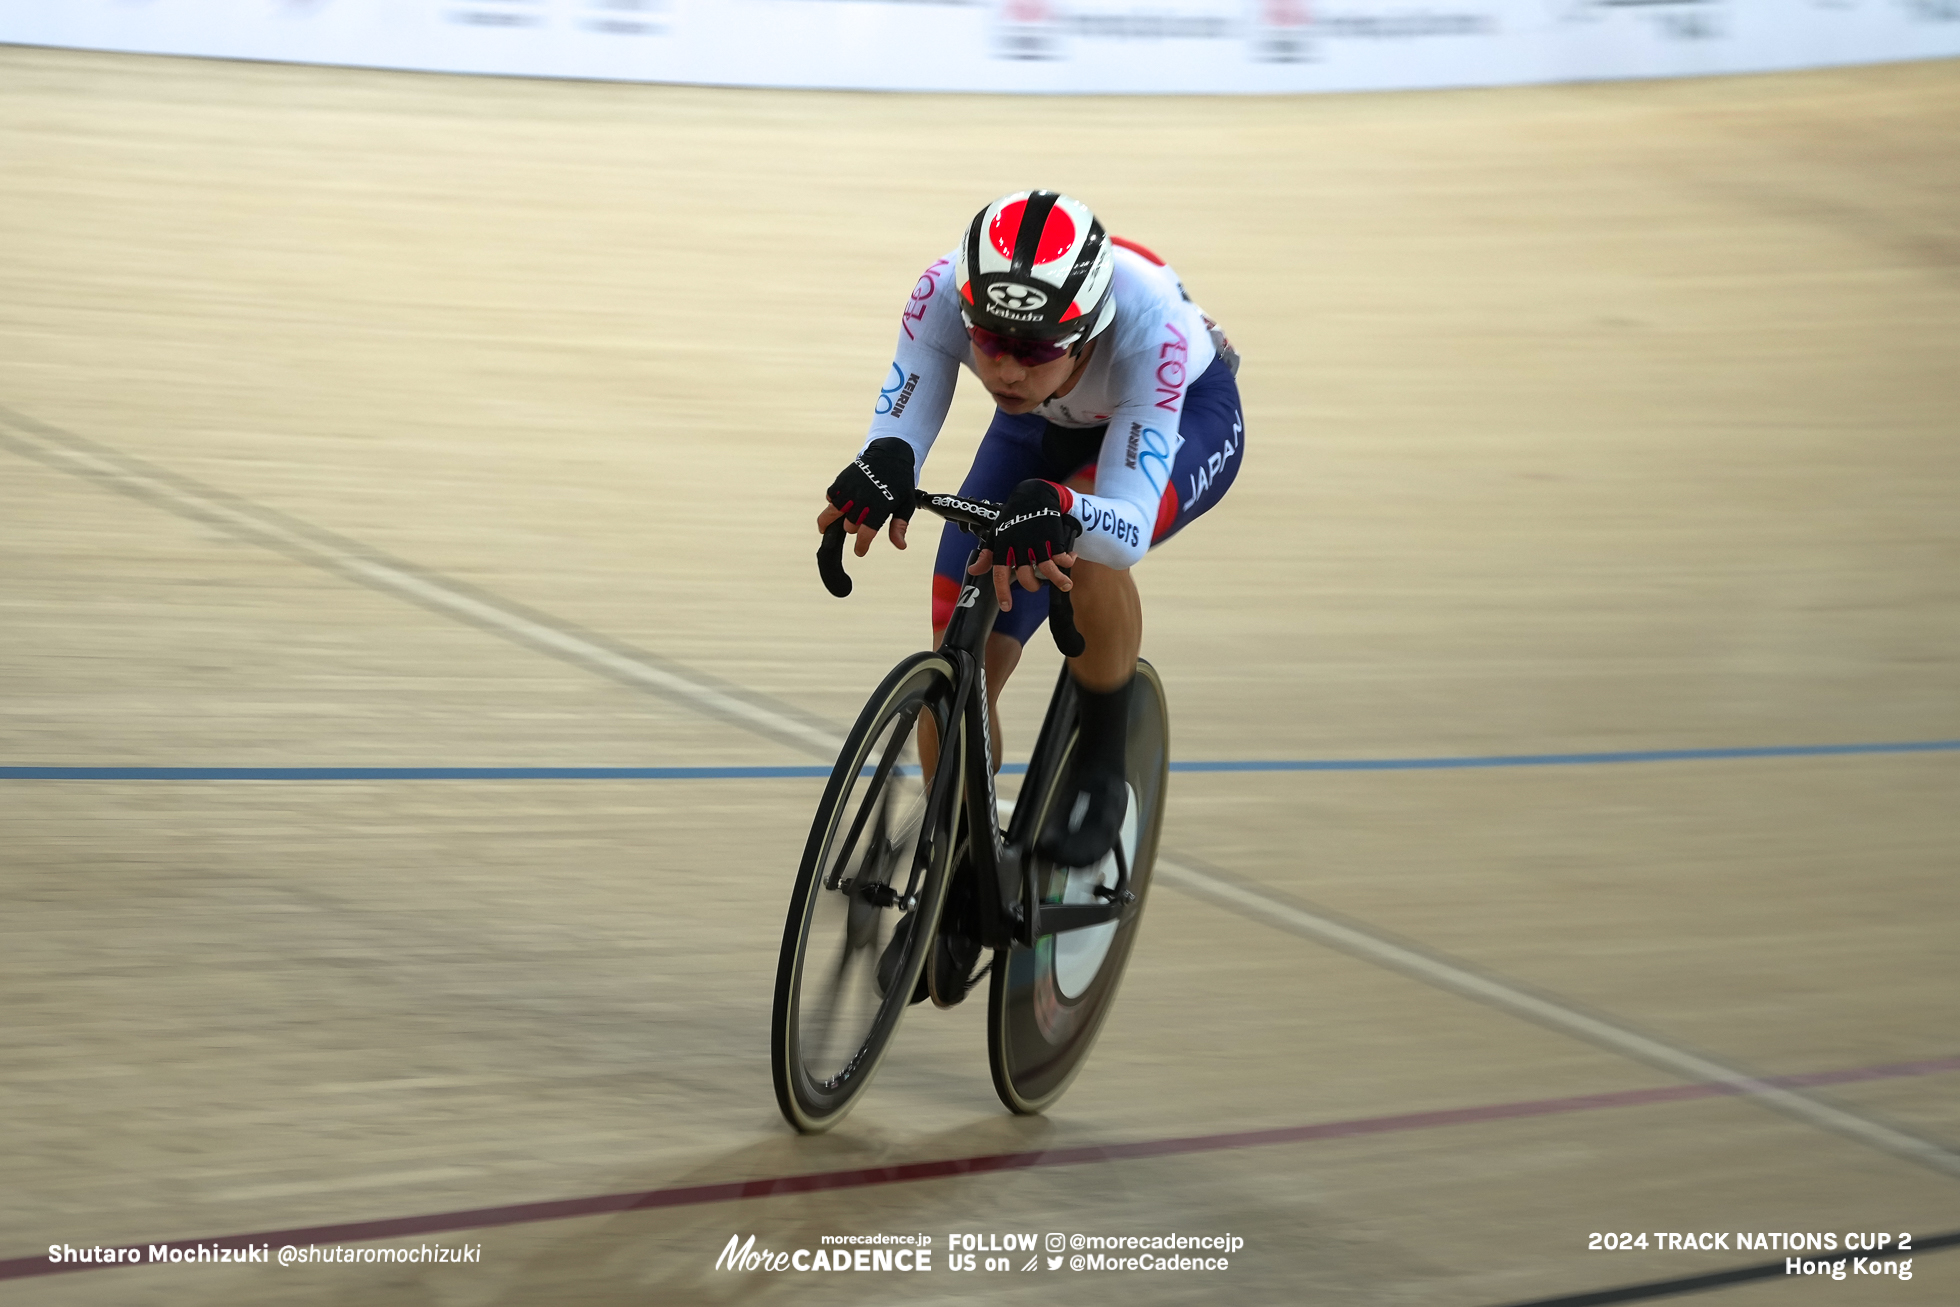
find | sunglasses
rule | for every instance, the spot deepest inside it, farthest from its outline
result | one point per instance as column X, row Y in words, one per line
column 1028, row 353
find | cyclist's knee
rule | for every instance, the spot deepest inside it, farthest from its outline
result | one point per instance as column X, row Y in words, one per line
column 1003, row 656
column 1095, row 584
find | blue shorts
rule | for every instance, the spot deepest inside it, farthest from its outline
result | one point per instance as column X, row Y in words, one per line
column 1017, row 448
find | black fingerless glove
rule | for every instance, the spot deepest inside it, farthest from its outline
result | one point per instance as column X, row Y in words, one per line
column 876, row 486
column 1035, row 525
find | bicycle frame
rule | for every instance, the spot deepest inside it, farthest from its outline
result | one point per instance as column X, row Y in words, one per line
column 1009, row 904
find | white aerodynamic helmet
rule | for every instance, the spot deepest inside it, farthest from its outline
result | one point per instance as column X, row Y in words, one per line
column 1036, row 265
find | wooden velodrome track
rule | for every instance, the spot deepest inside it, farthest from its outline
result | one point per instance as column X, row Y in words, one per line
column 1592, row 419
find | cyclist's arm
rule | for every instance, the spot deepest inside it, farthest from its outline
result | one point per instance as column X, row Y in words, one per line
column 917, row 391
column 1117, row 520
column 1133, row 470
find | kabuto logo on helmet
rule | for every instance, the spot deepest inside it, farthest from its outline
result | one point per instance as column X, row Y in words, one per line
column 1036, row 265
column 1012, row 295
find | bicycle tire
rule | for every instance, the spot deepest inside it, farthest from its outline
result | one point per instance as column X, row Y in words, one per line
column 1047, row 1004
column 826, row 1042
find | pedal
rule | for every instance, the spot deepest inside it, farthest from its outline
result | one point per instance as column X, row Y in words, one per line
column 1110, row 894
column 879, row 895
column 951, row 969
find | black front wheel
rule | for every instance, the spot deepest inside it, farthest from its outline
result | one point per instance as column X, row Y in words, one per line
column 867, row 899
column 1048, row 1003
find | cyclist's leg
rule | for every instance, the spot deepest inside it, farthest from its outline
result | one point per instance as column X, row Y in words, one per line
column 1002, row 657
column 1107, row 609
column 1109, row 614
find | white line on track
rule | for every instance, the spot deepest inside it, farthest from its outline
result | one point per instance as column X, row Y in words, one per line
column 274, row 530
column 264, row 526
column 1484, row 989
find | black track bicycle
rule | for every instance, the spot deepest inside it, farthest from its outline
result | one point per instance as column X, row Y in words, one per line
column 908, row 868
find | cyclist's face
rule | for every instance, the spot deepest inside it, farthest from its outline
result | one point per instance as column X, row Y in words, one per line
column 1020, row 387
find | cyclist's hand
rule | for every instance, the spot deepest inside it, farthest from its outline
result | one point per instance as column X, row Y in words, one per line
column 864, row 535
column 1054, row 571
column 877, row 485
column 1034, row 542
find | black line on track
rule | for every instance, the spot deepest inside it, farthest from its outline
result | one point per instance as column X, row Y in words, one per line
column 1652, row 1289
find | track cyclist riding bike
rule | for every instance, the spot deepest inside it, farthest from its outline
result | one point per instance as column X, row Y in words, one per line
column 1117, row 422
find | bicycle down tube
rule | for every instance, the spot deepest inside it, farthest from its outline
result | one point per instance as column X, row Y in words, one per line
column 1013, row 914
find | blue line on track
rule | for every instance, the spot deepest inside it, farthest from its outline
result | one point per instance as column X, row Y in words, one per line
column 406, row 773
column 1575, row 759
column 1011, row 769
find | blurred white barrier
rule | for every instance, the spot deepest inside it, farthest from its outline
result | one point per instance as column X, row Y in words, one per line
column 1243, row 46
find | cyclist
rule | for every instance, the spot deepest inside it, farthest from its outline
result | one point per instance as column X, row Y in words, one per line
column 1117, row 422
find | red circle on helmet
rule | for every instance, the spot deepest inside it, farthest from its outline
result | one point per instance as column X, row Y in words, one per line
column 1057, row 234
column 1005, row 229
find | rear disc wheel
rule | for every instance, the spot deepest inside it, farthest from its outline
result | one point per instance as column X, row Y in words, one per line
column 1047, row 1004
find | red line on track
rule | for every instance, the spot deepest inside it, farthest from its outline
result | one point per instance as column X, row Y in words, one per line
column 481, row 1218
